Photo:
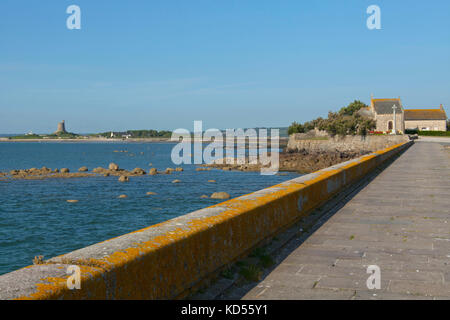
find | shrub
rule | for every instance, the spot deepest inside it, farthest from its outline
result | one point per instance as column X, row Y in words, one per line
column 344, row 122
column 435, row 133
column 411, row 131
column 295, row 128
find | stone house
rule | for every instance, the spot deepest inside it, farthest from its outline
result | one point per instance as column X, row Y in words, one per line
column 382, row 110
column 426, row 119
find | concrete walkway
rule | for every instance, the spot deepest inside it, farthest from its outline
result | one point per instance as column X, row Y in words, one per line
column 400, row 222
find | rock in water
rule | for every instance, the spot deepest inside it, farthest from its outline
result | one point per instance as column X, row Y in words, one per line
column 150, row 193
column 123, row 196
column 179, row 169
column 124, row 179
column 72, row 201
column 64, row 170
column 153, row 171
column 138, row 171
column 83, row 169
column 176, row 181
column 113, row 166
column 220, row 195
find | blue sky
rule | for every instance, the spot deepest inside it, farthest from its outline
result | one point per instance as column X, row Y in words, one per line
column 163, row 64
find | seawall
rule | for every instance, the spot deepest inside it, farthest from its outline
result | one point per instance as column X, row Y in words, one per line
column 299, row 141
column 167, row 260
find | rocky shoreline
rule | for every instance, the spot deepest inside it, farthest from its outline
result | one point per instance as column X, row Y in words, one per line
column 301, row 161
column 112, row 170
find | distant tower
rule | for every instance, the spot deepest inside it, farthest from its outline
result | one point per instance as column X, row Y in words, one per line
column 61, row 128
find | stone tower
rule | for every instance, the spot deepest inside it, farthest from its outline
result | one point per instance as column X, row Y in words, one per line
column 61, row 128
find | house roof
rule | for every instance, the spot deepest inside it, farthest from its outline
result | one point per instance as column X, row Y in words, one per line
column 425, row 114
column 384, row 106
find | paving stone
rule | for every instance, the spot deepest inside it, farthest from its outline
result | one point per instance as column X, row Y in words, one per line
column 423, row 288
column 400, row 221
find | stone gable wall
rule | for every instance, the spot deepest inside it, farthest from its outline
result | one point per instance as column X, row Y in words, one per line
column 383, row 120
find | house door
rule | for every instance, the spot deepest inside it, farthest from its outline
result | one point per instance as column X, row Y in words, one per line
column 390, row 125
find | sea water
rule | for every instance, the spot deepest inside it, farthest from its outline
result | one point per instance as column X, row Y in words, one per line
column 36, row 219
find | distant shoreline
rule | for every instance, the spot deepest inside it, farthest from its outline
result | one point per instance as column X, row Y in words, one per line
column 89, row 140
column 282, row 142
column 156, row 139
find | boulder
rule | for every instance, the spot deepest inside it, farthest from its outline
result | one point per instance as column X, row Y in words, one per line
column 204, row 196
column 153, row 171
column 99, row 170
column 138, row 171
column 72, row 201
column 212, row 181
column 176, row 181
column 220, row 195
column 64, row 170
column 123, row 196
column 179, row 169
column 169, row 170
column 150, row 193
column 114, row 167
column 124, row 179
column 83, row 169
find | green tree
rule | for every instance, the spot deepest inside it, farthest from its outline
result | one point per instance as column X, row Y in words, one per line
column 347, row 121
column 296, row 128
column 352, row 108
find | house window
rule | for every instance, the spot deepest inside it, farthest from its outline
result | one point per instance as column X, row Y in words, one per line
column 390, row 126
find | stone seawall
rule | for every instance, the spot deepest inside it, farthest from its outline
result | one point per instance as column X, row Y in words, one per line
column 170, row 259
column 299, row 141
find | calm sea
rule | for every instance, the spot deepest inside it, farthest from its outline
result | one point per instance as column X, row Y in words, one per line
column 36, row 219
